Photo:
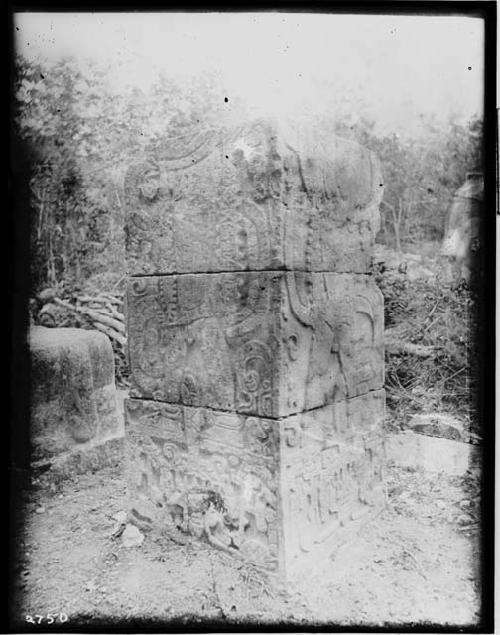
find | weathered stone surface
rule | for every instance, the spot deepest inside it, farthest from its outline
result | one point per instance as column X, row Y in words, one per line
column 132, row 537
column 73, row 394
column 209, row 474
column 332, row 331
column 332, row 478
column 88, row 457
column 255, row 342
column 264, row 343
column 262, row 196
column 206, row 339
column 432, row 454
column 463, row 223
column 282, row 494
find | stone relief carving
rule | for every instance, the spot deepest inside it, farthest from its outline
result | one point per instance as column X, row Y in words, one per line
column 332, row 473
column 257, row 351
column 220, row 476
column 257, row 197
column 332, row 328
column 222, row 341
column 201, row 340
column 206, row 474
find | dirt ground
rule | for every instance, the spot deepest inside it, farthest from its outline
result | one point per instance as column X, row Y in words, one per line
column 417, row 562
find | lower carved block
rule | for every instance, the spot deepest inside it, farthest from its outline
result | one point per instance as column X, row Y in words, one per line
column 332, row 479
column 281, row 494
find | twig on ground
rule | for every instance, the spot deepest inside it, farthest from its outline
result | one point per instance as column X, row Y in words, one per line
column 433, row 309
column 431, row 324
column 445, row 379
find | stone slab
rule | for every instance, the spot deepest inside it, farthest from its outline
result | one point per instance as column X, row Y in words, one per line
column 265, row 195
column 432, row 454
column 283, row 494
column 90, row 457
column 438, row 424
column 263, row 343
column 73, row 394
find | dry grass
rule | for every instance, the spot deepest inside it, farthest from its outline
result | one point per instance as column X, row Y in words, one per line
column 442, row 316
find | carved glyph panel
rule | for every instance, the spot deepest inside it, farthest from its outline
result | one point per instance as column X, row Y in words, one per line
column 282, row 494
column 332, row 336
column 332, row 476
column 263, row 343
column 206, row 340
column 211, row 475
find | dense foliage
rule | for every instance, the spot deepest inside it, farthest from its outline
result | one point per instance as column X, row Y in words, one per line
column 420, row 174
column 439, row 317
column 83, row 135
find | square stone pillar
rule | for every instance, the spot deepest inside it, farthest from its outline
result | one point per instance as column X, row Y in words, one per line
column 255, row 342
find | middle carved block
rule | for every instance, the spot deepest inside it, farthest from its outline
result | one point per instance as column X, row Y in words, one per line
column 267, row 343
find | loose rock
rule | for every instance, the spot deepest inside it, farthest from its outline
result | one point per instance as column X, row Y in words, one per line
column 120, row 524
column 437, row 425
column 132, row 536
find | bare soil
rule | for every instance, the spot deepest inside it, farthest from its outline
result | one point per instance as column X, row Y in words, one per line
column 416, row 563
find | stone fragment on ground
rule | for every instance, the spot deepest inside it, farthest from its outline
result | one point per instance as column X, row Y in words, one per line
column 120, row 519
column 418, row 451
column 438, row 424
column 132, row 536
column 416, row 272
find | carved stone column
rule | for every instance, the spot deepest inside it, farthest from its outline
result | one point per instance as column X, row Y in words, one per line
column 255, row 341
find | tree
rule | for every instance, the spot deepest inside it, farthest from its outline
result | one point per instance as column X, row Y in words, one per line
column 421, row 174
column 83, row 135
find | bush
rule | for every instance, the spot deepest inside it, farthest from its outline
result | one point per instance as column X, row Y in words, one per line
column 442, row 317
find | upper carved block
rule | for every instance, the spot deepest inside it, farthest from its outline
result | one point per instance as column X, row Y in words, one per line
column 263, row 196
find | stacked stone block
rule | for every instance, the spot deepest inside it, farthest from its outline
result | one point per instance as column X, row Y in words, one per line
column 76, row 422
column 255, row 341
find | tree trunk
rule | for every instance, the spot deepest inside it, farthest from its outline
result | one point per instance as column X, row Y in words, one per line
column 396, row 232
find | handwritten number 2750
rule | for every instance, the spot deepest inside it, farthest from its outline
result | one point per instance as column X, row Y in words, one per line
column 50, row 618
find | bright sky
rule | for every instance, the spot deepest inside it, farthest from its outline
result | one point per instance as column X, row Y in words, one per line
column 401, row 66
